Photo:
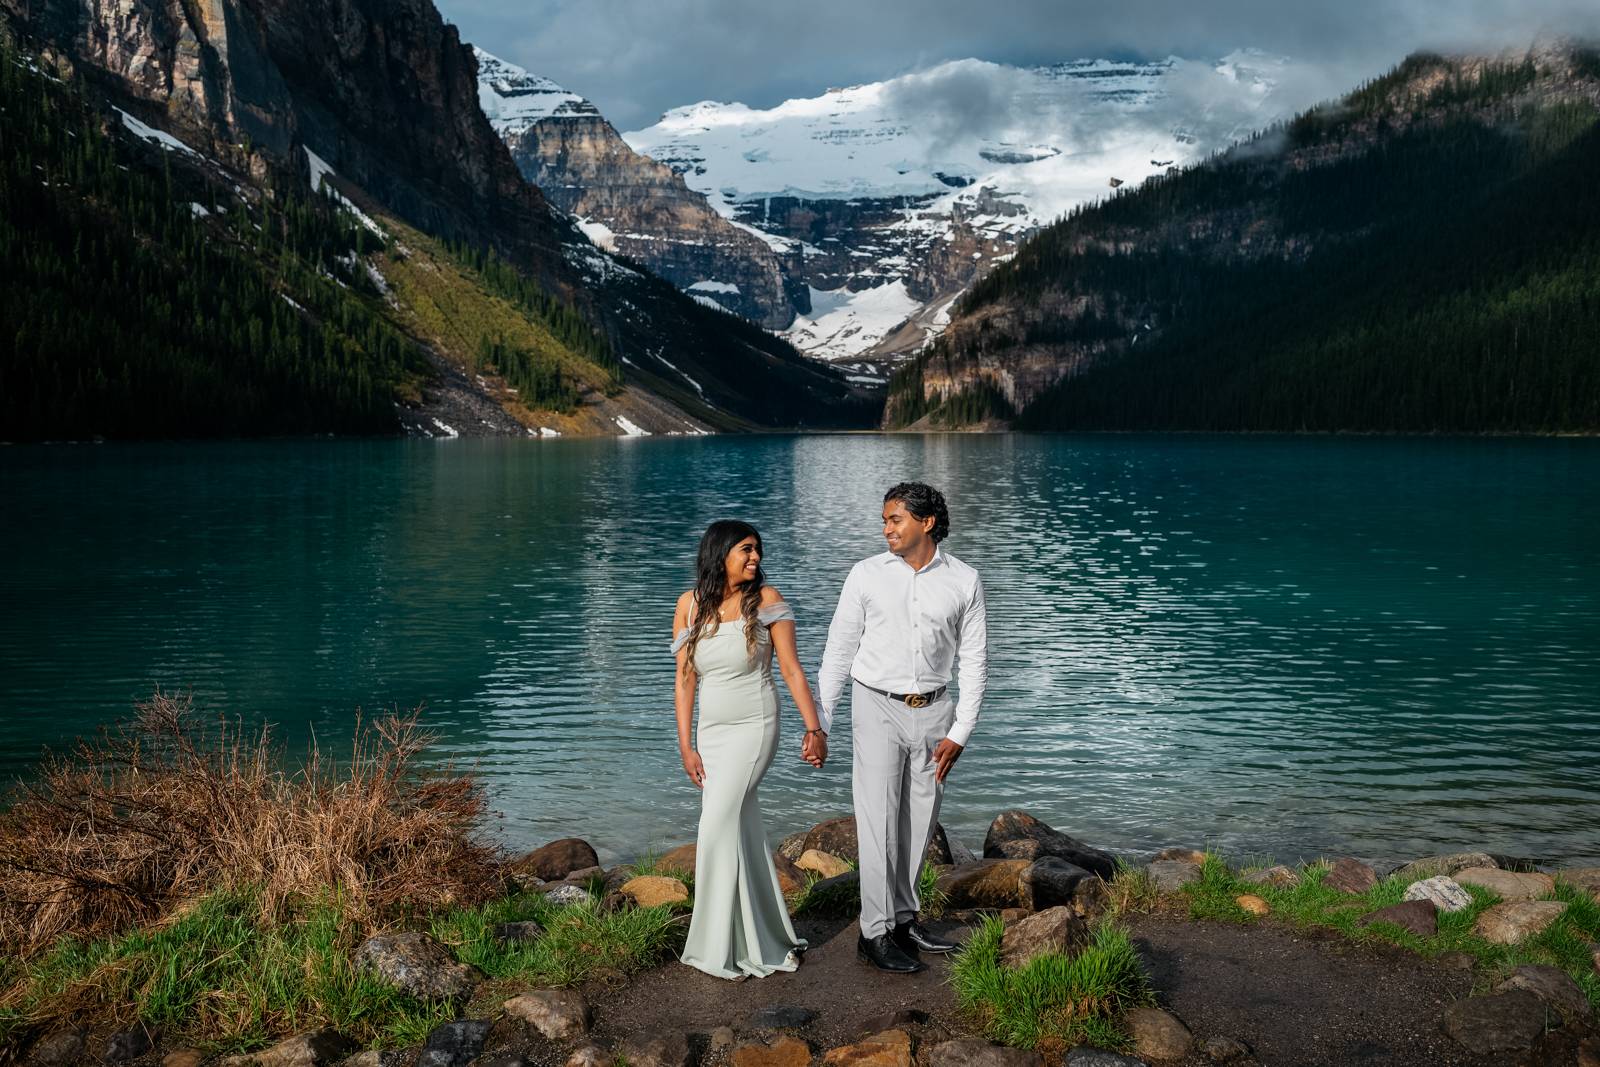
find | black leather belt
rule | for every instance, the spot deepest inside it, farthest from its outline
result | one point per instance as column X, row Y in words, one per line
column 911, row 700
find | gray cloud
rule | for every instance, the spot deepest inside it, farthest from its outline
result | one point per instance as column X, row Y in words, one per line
column 637, row 58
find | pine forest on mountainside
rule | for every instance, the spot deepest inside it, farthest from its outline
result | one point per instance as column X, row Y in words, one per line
column 146, row 299
column 1452, row 282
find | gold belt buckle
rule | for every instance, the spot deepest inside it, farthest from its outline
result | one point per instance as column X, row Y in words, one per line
column 916, row 700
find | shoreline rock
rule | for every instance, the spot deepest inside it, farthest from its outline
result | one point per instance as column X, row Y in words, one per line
column 1015, row 834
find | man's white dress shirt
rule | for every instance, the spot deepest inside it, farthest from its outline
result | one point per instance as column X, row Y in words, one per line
column 901, row 630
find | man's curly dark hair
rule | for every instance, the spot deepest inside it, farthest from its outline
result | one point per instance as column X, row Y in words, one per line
column 923, row 500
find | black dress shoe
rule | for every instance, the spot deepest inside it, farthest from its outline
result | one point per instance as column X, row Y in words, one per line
column 884, row 954
column 914, row 937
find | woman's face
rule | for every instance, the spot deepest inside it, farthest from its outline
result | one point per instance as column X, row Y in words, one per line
column 743, row 561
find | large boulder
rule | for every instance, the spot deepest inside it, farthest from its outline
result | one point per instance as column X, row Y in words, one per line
column 558, row 1014
column 659, row 1050
column 1512, row 922
column 821, row 864
column 454, row 1044
column 557, row 860
column 1510, row 885
column 1253, row 904
column 125, row 1045
column 1585, row 878
column 837, row 837
column 1169, row 876
column 892, row 1048
column 1432, row 866
column 975, row 1052
column 791, row 879
column 1419, row 917
column 1442, row 892
column 58, row 1049
column 1056, row 930
column 680, row 859
column 316, row 1049
column 1350, row 875
column 1555, row 987
column 987, row 883
column 417, row 964
column 1278, row 877
column 1050, row 882
column 567, row 894
column 782, row 1051
column 654, row 890
column 1158, row 1035
column 794, row 844
column 1017, row 835
column 1505, row 1022
column 837, row 896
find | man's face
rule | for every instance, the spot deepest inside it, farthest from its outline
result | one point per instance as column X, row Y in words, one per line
column 905, row 532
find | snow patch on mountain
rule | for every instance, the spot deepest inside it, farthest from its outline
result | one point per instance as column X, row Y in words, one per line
column 844, row 324
column 150, row 133
column 598, row 233
column 513, row 99
column 320, row 172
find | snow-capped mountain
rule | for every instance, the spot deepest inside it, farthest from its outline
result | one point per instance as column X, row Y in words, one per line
column 898, row 194
column 513, row 99
column 628, row 203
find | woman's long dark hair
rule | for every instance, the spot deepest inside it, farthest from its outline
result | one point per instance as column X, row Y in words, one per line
column 711, row 584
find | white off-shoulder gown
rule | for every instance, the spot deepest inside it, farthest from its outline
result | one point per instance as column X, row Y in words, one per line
column 740, row 924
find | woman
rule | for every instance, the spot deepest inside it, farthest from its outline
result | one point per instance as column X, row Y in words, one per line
column 724, row 634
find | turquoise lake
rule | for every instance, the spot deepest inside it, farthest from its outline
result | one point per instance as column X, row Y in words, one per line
column 1276, row 646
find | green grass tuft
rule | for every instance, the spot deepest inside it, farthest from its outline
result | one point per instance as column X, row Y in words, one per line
column 223, row 978
column 843, row 901
column 580, row 942
column 1055, row 1001
column 1311, row 903
column 219, row 975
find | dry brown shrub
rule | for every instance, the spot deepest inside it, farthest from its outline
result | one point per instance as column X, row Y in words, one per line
column 139, row 824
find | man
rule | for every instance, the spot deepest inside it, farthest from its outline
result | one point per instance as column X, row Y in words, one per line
column 904, row 617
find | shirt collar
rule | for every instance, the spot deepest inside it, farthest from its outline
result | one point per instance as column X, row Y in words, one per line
column 938, row 558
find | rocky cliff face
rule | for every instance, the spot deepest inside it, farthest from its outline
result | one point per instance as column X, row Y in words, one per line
column 380, row 99
column 384, row 92
column 630, row 204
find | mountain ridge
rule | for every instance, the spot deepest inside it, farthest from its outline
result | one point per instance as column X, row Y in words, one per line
column 270, row 102
column 1313, row 276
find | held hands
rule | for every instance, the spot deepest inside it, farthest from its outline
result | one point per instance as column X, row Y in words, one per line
column 814, row 748
column 945, row 754
column 694, row 768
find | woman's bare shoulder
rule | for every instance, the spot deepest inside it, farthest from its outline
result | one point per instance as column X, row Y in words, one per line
column 770, row 595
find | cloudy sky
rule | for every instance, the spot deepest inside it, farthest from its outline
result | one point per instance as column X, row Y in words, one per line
column 637, row 58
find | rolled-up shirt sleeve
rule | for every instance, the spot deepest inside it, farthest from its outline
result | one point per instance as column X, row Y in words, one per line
column 972, row 664
column 844, row 639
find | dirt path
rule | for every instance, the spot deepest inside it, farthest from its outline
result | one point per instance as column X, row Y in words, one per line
column 1301, row 999
column 850, row 998
column 1296, row 998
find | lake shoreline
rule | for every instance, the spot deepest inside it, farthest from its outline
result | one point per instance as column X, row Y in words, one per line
column 1440, row 435
column 1328, row 927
